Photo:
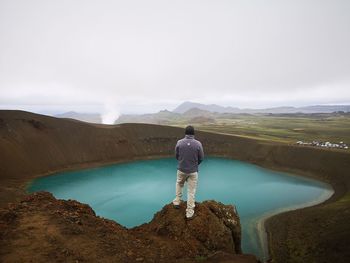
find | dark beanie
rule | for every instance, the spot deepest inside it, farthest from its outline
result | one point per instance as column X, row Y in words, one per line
column 189, row 130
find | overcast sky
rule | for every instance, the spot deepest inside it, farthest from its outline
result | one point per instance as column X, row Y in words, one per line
column 143, row 56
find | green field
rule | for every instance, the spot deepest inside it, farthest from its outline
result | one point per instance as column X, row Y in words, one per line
column 286, row 128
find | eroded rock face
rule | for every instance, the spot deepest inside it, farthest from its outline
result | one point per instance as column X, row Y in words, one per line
column 215, row 227
column 41, row 228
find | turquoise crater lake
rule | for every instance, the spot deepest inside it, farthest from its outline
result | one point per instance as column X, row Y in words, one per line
column 130, row 193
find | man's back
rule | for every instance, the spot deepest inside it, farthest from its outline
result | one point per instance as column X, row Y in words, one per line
column 189, row 153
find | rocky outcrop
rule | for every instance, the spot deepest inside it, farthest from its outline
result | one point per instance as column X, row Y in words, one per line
column 216, row 227
column 41, row 228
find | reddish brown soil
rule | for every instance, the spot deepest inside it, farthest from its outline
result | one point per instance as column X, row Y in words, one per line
column 41, row 228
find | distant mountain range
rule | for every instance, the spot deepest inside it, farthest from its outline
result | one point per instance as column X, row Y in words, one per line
column 87, row 117
column 190, row 112
column 201, row 113
column 208, row 107
column 220, row 109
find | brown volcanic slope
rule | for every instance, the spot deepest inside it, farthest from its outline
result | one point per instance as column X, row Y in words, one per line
column 33, row 145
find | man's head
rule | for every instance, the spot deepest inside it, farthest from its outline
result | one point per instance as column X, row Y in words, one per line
column 189, row 130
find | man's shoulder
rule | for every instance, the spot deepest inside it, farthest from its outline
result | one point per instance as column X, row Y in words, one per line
column 198, row 142
column 181, row 140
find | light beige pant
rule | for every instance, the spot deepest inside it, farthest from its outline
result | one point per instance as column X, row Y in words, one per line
column 191, row 179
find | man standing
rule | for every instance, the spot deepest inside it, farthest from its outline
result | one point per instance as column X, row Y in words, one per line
column 189, row 153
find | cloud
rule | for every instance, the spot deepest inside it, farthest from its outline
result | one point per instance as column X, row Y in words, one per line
column 156, row 54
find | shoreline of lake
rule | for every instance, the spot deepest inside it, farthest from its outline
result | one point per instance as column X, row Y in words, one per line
column 261, row 229
column 257, row 240
column 260, row 222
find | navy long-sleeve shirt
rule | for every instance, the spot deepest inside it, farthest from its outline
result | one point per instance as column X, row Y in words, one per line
column 189, row 153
